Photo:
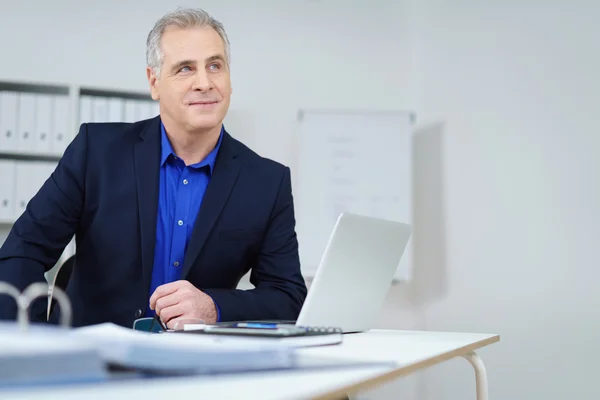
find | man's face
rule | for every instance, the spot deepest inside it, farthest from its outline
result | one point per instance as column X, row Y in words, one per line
column 194, row 86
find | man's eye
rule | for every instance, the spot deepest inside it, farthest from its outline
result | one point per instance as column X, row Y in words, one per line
column 185, row 69
column 214, row 66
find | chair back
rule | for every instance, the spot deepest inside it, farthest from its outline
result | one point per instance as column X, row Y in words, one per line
column 63, row 275
column 61, row 280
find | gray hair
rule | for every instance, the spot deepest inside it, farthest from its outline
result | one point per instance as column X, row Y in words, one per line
column 182, row 18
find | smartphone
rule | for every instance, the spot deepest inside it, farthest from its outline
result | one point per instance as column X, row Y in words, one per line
column 257, row 330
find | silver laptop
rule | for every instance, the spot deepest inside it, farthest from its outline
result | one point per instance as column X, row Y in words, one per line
column 355, row 273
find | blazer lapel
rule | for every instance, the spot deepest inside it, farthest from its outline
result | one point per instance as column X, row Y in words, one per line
column 219, row 188
column 146, row 154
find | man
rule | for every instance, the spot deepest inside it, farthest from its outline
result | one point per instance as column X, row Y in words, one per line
column 168, row 213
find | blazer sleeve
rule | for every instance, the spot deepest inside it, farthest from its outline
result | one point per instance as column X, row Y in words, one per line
column 40, row 235
column 279, row 288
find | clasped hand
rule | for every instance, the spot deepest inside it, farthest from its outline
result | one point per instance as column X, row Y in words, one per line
column 179, row 301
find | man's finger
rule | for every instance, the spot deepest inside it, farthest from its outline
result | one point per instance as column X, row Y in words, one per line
column 167, row 301
column 179, row 322
column 168, row 313
column 163, row 290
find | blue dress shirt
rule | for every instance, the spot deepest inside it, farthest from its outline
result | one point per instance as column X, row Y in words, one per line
column 181, row 192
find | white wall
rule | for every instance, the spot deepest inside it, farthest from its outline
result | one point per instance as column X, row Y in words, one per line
column 508, row 204
column 517, row 87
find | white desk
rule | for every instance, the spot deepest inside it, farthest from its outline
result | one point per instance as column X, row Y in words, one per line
column 410, row 351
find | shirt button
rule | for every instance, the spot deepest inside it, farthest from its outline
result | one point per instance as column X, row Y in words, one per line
column 138, row 313
column 185, row 181
column 180, row 222
column 176, row 263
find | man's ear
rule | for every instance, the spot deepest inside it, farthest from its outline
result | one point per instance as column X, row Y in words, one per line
column 153, row 82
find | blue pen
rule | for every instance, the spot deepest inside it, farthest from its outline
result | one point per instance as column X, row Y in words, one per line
column 256, row 325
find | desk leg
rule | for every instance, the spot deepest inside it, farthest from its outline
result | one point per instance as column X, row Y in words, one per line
column 480, row 375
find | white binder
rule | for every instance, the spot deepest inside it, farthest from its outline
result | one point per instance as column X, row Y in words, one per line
column 155, row 109
column 100, row 109
column 86, row 110
column 26, row 123
column 145, row 108
column 43, row 124
column 115, row 110
column 41, row 171
column 32, row 292
column 131, row 111
column 29, row 178
column 60, row 135
column 23, row 184
column 8, row 121
column 7, row 190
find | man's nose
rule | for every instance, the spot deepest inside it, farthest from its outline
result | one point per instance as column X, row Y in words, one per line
column 202, row 81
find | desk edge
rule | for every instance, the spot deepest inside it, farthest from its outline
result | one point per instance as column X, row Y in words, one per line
column 406, row 370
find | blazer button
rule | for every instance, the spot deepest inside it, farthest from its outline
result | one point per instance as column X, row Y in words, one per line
column 138, row 313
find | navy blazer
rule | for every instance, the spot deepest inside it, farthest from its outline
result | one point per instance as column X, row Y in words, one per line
column 105, row 191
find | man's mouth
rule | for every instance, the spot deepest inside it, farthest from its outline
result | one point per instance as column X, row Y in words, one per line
column 204, row 102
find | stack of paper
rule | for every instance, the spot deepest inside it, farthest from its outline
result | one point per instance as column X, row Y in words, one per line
column 52, row 355
column 169, row 353
column 47, row 356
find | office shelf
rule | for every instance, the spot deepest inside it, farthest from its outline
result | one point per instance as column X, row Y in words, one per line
column 38, row 120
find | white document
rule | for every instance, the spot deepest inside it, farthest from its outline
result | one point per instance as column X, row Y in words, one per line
column 177, row 351
column 43, row 124
column 109, row 332
column 8, row 121
column 43, row 356
column 60, row 135
column 344, row 160
column 7, row 190
column 14, row 343
column 26, row 123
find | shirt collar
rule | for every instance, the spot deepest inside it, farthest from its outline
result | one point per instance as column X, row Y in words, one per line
column 167, row 150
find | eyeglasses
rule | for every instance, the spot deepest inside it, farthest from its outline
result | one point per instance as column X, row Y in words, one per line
column 155, row 324
column 149, row 324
